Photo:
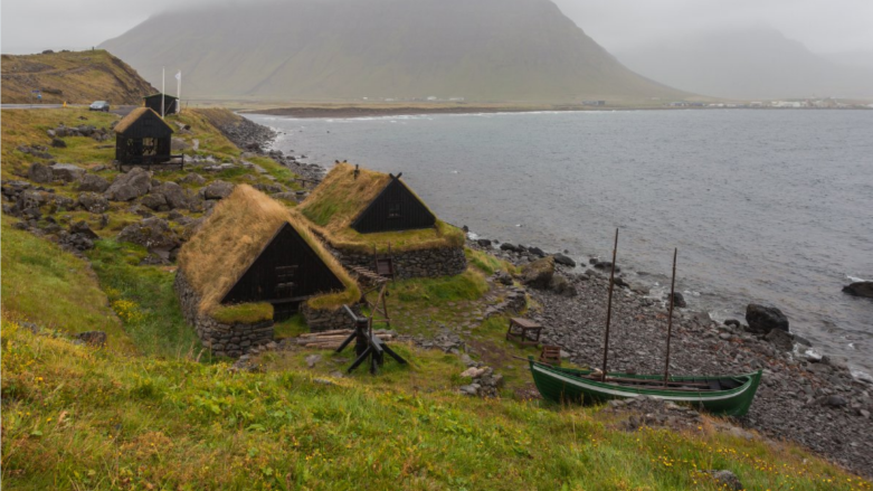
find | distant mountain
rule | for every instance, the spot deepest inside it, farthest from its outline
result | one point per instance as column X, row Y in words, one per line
column 76, row 77
column 755, row 63
column 482, row 50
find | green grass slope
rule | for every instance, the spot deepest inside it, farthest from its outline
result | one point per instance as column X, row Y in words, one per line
column 75, row 77
column 74, row 418
column 487, row 50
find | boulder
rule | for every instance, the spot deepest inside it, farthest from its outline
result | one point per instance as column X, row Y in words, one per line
column 63, row 203
column 67, row 172
column 484, row 243
column 727, row 480
column 173, row 194
column 565, row 260
column 763, row 319
column 40, row 173
column 86, row 130
column 536, row 251
column 81, row 228
column 152, row 233
column 679, row 300
column 506, row 246
column 562, row 286
column 155, row 201
column 179, row 145
column 130, row 186
column 58, row 143
column 93, row 183
column 732, row 323
column 93, row 202
column 860, row 289
column 539, row 273
column 782, row 340
column 217, row 190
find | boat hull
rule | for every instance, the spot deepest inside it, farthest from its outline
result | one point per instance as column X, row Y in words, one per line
column 563, row 385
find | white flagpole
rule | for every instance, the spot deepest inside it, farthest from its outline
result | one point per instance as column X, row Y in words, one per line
column 179, row 92
column 163, row 88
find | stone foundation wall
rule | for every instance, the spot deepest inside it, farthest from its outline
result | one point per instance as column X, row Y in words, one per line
column 232, row 340
column 320, row 320
column 424, row 263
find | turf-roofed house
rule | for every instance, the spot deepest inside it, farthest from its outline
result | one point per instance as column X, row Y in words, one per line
column 252, row 262
column 360, row 212
column 142, row 138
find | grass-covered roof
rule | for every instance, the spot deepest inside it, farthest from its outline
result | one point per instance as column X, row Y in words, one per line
column 235, row 234
column 134, row 116
column 341, row 197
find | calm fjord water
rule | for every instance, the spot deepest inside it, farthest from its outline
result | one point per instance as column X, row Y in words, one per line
column 764, row 205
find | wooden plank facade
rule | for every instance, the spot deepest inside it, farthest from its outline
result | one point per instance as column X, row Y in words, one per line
column 287, row 271
column 143, row 138
column 395, row 208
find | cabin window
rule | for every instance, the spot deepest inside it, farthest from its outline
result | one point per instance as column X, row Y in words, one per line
column 149, row 146
column 394, row 211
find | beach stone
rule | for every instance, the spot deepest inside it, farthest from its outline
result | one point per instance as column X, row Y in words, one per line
column 835, row 401
column 733, row 323
column 132, row 185
column 92, row 183
column 562, row 286
column 763, row 319
column 860, row 289
column 565, row 260
column 67, row 172
column 536, row 251
column 606, row 266
column 780, row 339
column 539, row 273
column 484, row 243
column 40, row 173
column 506, row 246
column 679, row 300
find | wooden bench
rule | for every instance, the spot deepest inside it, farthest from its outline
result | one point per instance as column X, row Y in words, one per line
column 524, row 331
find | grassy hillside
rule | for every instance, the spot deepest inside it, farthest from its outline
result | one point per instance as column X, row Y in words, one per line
column 75, row 77
column 74, row 418
column 150, row 411
column 488, row 50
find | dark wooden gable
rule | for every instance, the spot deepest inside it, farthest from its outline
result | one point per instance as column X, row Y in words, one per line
column 287, row 270
column 154, row 102
column 395, row 208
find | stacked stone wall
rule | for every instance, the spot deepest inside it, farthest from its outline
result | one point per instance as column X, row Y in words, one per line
column 232, row 340
column 424, row 263
column 320, row 320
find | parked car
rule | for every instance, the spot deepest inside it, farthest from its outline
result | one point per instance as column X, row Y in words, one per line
column 99, row 106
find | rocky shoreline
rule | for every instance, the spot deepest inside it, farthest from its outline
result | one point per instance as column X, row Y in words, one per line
column 804, row 397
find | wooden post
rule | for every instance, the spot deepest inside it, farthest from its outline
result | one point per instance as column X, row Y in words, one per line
column 609, row 305
column 670, row 319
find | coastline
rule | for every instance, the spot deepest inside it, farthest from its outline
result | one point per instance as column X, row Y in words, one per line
column 811, row 400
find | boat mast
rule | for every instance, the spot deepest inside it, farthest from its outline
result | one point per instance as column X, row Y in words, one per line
column 609, row 306
column 670, row 318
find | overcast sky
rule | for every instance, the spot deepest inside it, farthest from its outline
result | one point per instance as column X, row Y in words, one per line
column 30, row 26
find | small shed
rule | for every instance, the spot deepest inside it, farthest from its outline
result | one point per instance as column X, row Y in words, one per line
column 143, row 138
column 171, row 104
column 252, row 249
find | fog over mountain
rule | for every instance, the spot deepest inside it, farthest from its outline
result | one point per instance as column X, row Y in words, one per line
column 484, row 50
column 750, row 63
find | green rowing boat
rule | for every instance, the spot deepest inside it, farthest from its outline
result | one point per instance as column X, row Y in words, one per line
column 723, row 395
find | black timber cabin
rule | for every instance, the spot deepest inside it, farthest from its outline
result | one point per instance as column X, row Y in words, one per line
column 287, row 272
column 153, row 102
column 143, row 138
column 394, row 209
